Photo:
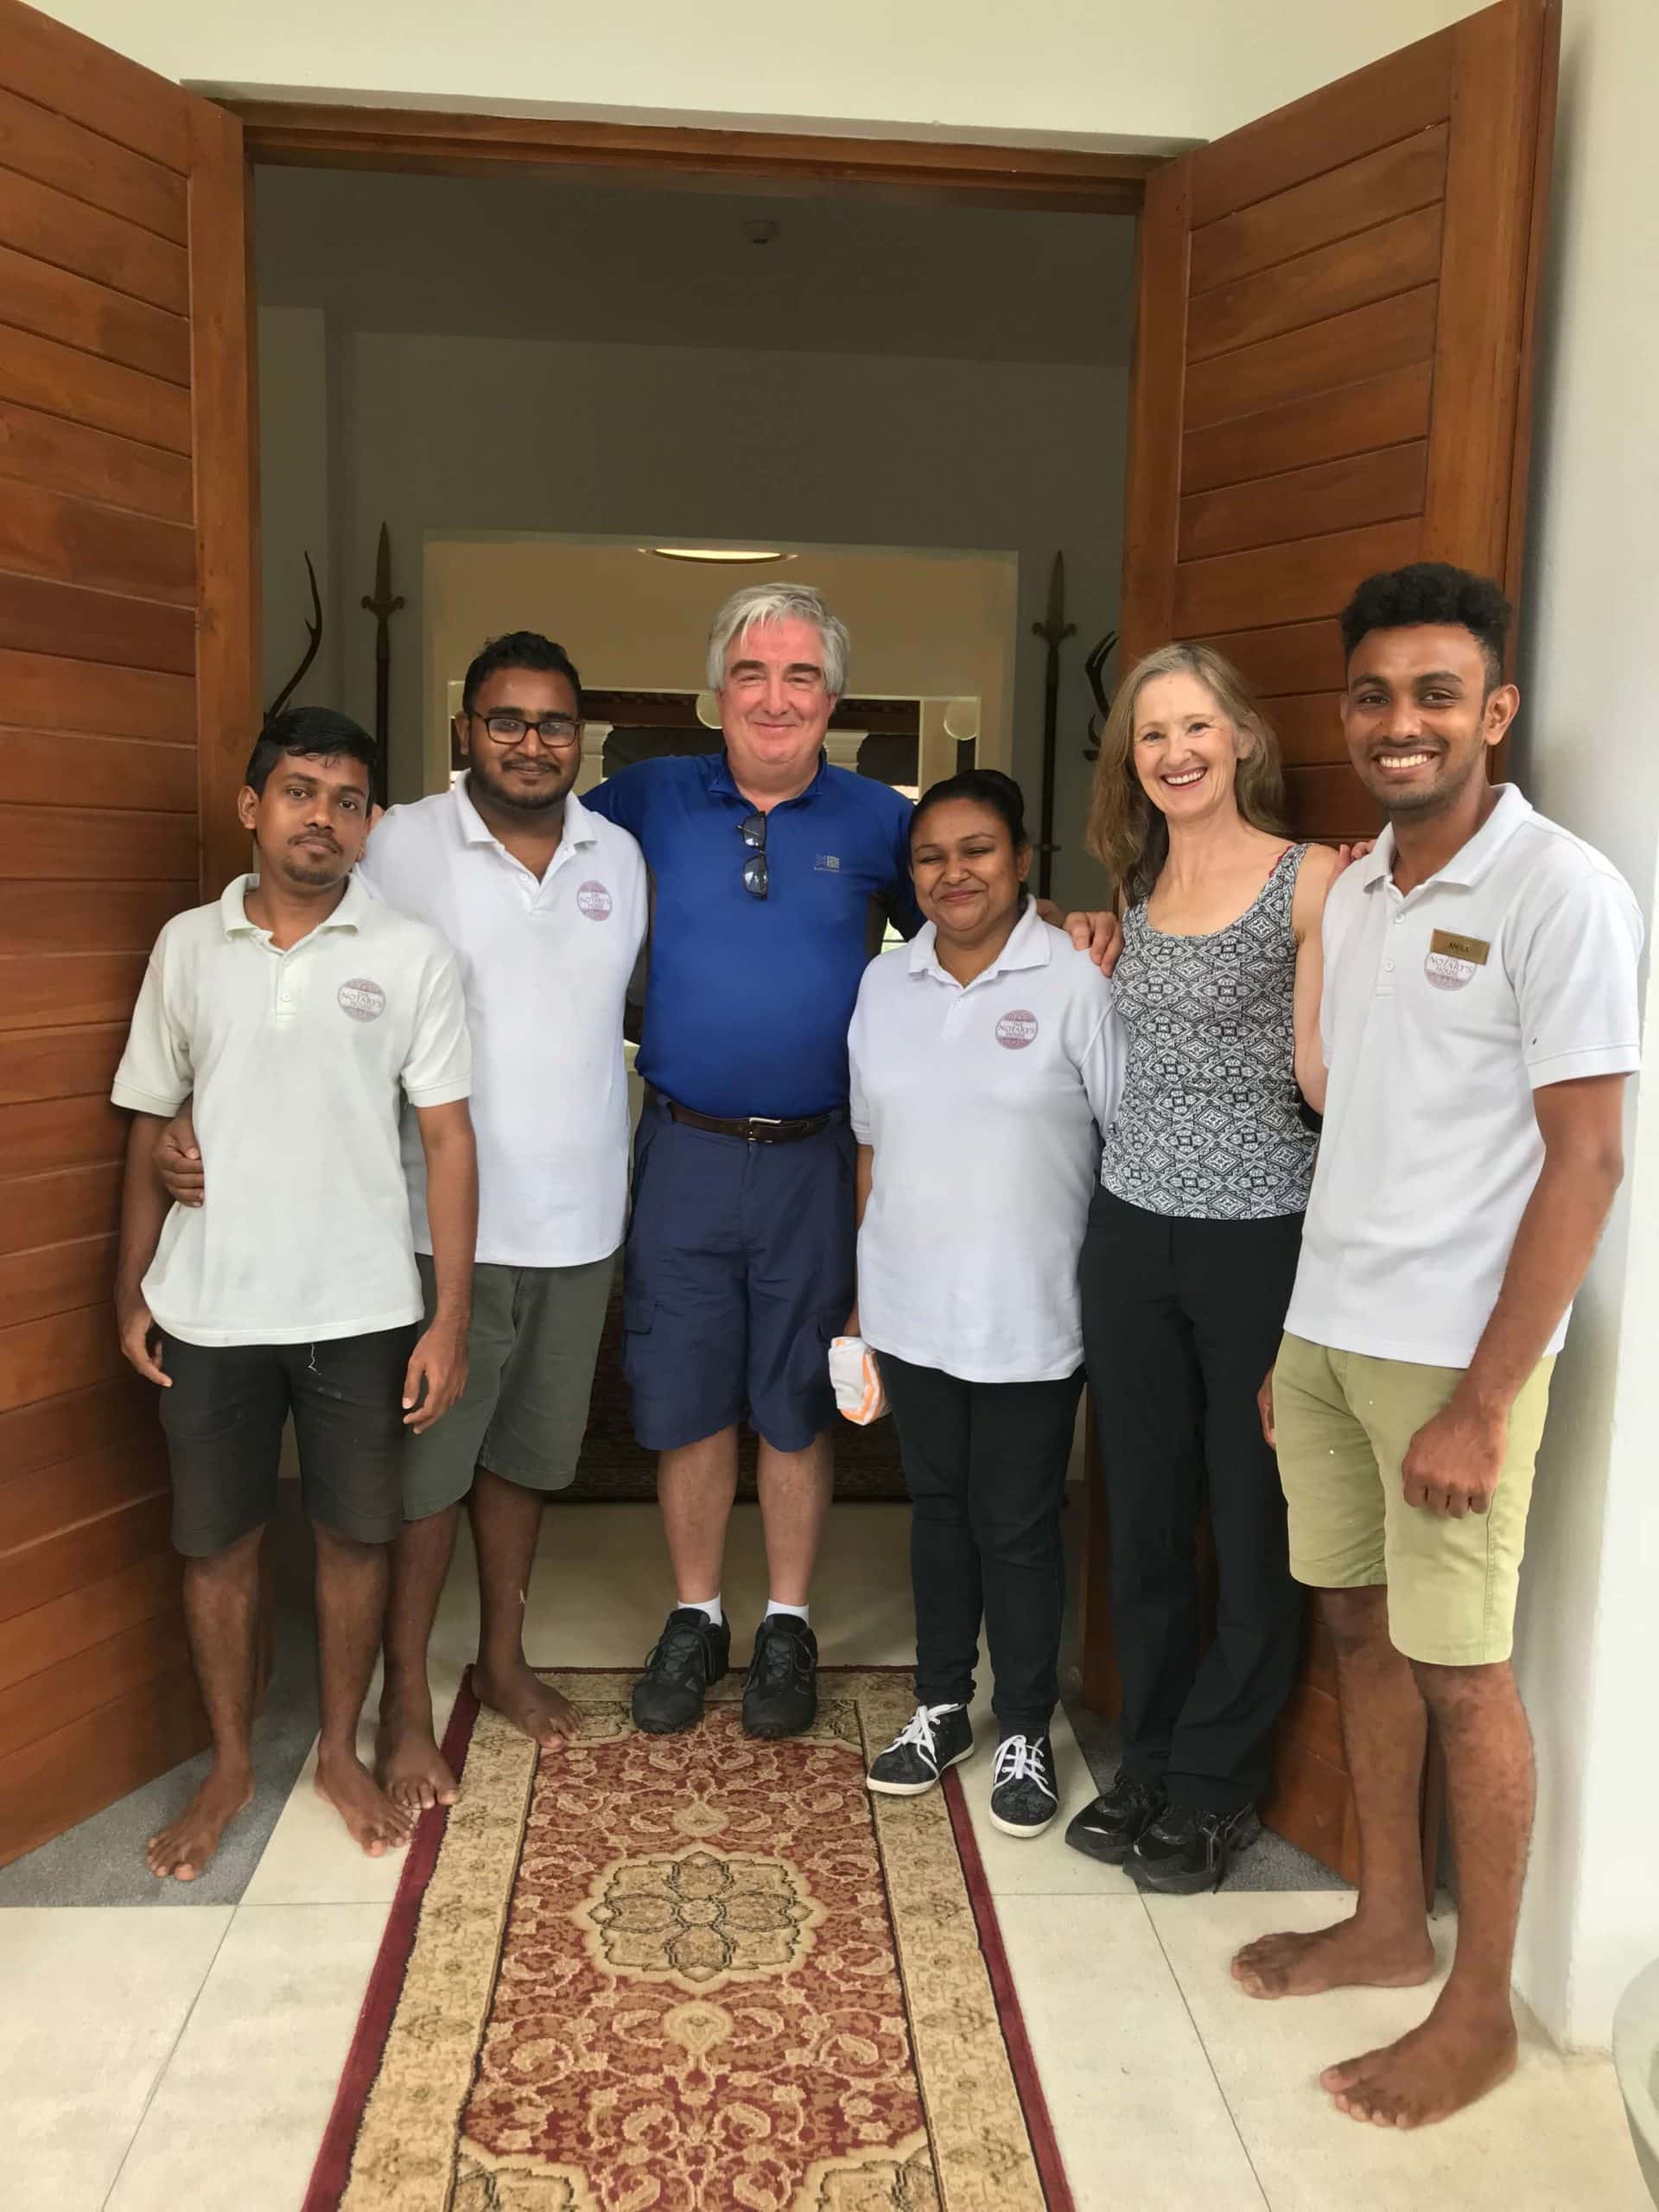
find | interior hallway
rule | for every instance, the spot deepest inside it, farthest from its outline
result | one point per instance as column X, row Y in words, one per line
column 161, row 2059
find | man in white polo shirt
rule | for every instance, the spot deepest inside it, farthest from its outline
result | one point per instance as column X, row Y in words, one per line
column 296, row 1010
column 546, row 905
column 1479, row 1021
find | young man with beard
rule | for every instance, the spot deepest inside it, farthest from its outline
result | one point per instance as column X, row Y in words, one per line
column 296, row 1008
column 1479, row 1021
column 544, row 904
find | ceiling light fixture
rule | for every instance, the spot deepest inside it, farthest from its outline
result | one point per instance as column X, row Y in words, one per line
column 727, row 553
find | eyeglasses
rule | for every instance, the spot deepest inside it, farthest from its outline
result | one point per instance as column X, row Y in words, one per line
column 753, row 832
column 556, row 730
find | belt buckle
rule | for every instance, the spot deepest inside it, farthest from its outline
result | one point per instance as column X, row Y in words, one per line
column 764, row 1121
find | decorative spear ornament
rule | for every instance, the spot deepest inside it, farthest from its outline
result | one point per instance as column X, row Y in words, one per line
column 383, row 607
column 1053, row 632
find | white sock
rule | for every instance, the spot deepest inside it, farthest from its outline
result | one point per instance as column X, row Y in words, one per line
column 800, row 1613
column 708, row 1605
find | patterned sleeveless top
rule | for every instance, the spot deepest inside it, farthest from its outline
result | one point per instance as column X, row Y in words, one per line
column 1209, row 1125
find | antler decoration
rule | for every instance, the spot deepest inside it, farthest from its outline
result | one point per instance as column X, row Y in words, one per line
column 1099, row 654
column 314, row 633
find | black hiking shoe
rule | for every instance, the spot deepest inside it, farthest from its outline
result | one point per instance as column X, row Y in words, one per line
column 780, row 1697
column 1110, row 1827
column 934, row 1738
column 1185, row 1850
column 1023, row 1797
column 690, row 1656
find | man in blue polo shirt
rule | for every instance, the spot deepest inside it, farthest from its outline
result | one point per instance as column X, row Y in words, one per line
column 773, row 875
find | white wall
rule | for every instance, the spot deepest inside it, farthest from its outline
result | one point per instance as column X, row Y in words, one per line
column 665, row 444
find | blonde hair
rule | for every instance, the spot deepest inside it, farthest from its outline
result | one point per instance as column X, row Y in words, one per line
column 1127, row 833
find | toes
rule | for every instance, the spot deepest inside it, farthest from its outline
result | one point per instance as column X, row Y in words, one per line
column 449, row 1794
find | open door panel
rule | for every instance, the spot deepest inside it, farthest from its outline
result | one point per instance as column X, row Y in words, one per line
column 1331, row 376
column 126, row 704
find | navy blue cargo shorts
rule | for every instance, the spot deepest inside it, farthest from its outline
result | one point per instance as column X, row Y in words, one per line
column 740, row 1271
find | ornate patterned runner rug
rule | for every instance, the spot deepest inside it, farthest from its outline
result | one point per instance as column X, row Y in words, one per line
column 690, row 1973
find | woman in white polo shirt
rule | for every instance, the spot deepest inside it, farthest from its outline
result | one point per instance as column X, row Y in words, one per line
column 985, row 1062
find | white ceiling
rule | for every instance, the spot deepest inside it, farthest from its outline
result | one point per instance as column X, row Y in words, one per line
column 608, row 263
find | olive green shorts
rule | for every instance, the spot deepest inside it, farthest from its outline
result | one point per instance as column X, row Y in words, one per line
column 1345, row 1423
column 530, row 1352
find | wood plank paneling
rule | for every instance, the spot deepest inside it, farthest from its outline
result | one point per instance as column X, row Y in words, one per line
column 52, row 1699
column 70, row 541
column 47, row 1634
column 39, row 1572
column 42, row 691
column 1331, row 496
column 58, row 1063
column 1308, row 725
column 1155, row 406
column 58, row 304
column 83, row 843
column 53, row 151
column 1313, row 1718
column 63, row 456
column 55, row 618
column 44, row 767
column 57, row 69
column 53, row 1429
column 1390, row 335
column 48, row 1500
column 68, row 1776
column 67, row 1352
column 1309, row 1800
column 69, row 987
column 1373, row 189
column 1330, row 803
column 38, row 219
column 104, row 395
column 1286, row 583
column 37, row 1210
column 53, row 1133
column 1301, row 656
column 1376, row 264
column 1407, row 92
column 1355, row 418
column 41, row 916
column 55, row 1279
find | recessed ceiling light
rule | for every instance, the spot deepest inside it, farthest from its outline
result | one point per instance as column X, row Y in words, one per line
column 731, row 553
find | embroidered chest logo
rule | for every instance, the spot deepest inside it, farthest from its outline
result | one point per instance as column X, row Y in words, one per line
column 362, row 999
column 1016, row 1029
column 594, row 900
column 1453, row 961
column 826, row 863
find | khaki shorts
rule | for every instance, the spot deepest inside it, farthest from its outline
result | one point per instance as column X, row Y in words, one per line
column 1345, row 1423
column 531, row 1353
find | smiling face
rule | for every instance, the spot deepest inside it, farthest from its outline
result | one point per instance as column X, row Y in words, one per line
column 774, row 704
column 310, row 822
column 968, row 873
column 1186, row 749
column 1419, row 718
column 529, row 768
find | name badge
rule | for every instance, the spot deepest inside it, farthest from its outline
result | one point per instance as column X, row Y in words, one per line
column 1453, row 961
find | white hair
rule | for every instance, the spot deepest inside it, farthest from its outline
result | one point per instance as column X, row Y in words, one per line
column 757, row 603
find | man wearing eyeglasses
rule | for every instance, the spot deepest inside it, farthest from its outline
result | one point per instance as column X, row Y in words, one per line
column 544, row 904
column 773, row 875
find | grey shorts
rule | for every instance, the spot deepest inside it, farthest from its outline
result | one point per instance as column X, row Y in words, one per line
column 530, row 1374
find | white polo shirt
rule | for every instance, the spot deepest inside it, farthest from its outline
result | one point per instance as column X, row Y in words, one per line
column 297, row 1060
column 985, row 1105
column 1443, row 1010
column 545, row 966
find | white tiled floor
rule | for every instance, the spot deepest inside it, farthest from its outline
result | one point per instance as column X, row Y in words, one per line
column 189, row 2059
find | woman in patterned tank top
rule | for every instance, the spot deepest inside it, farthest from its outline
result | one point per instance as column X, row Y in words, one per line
column 1191, row 1247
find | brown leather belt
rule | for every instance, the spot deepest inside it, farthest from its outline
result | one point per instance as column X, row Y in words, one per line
column 758, row 1128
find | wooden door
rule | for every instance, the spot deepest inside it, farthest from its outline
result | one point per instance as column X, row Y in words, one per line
column 127, row 703
column 1331, row 377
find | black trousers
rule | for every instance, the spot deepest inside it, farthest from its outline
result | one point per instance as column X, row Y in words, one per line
column 985, row 1464
column 1181, row 1322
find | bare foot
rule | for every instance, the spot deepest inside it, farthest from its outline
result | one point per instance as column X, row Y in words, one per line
column 183, row 1850
column 1453, row 2058
column 522, row 1697
column 371, row 1818
column 1347, row 1956
column 408, row 1764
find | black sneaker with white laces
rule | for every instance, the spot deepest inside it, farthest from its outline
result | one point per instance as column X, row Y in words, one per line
column 691, row 1654
column 1023, row 1797
column 934, row 1738
column 1109, row 1826
column 780, row 1697
column 1185, row 1850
